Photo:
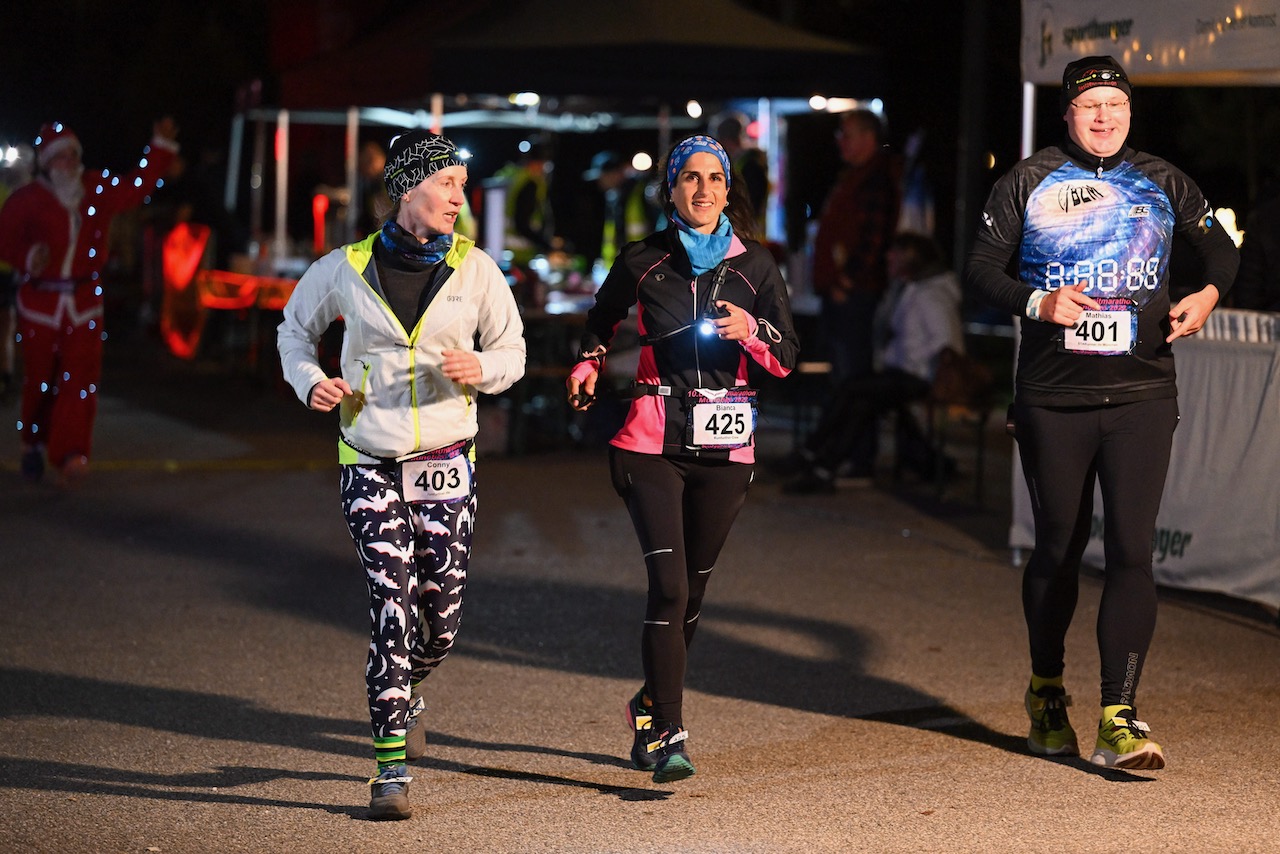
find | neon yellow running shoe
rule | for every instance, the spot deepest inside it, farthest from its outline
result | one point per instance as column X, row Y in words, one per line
column 1051, row 732
column 1125, row 742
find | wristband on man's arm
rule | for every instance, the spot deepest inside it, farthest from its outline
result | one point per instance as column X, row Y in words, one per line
column 1033, row 304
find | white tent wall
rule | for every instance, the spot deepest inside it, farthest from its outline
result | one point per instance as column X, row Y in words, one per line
column 1219, row 523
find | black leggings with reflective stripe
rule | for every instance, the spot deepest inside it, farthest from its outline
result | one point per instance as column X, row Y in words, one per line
column 1126, row 448
column 682, row 509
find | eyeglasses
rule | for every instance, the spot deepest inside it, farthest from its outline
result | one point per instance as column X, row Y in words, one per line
column 1109, row 106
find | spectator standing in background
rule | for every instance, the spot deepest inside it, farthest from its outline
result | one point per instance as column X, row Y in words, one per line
column 54, row 232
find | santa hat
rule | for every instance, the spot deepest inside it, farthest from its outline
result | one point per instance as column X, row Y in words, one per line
column 54, row 137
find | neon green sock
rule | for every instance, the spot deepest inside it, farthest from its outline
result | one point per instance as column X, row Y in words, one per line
column 1038, row 682
column 389, row 751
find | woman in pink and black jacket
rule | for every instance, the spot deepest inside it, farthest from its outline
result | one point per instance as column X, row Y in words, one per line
column 709, row 298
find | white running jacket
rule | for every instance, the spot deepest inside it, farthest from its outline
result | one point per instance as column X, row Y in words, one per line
column 409, row 404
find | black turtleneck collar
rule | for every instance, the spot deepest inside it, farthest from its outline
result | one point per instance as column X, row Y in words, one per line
column 1093, row 162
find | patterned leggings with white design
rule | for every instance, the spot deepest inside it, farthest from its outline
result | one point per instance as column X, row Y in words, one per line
column 415, row 557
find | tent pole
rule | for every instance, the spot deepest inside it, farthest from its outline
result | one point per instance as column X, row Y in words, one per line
column 1028, row 118
column 233, row 162
column 664, row 131
column 255, row 181
column 353, row 189
column 281, row 242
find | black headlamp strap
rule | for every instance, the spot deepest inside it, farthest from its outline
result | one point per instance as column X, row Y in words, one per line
column 713, row 293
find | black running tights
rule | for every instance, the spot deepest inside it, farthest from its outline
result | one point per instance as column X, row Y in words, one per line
column 1126, row 448
column 682, row 509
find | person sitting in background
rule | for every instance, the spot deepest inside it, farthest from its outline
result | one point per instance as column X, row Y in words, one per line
column 918, row 318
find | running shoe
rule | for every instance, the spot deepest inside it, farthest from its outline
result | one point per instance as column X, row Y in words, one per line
column 1125, row 742
column 639, row 720
column 415, row 733
column 1051, row 732
column 666, row 747
column 390, row 799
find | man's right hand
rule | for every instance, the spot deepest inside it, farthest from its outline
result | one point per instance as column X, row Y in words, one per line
column 1065, row 305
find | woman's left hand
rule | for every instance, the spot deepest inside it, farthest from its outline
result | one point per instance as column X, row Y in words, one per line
column 462, row 366
column 735, row 327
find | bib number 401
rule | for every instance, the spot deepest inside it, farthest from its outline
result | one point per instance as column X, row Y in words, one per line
column 1109, row 331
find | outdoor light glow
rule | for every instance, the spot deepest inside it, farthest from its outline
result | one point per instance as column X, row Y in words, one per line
column 1227, row 219
column 525, row 146
column 694, row 109
column 817, row 102
column 843, row 105
column 525, row 99
column 642, row 161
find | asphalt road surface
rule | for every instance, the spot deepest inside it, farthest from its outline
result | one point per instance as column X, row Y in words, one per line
column 183, row 640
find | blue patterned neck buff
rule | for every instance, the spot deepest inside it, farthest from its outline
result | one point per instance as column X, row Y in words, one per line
column 404, row 245
column 691, row 146
column 413, row 157
column 705, row 251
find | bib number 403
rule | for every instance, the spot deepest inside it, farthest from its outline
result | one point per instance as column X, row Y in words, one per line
column 436, row 480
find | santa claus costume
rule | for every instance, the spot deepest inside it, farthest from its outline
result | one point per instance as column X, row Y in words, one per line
column 54, row 232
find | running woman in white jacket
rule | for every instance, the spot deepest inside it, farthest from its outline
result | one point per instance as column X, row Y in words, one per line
column 414, row 298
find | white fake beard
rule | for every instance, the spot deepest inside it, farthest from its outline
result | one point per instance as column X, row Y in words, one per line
column 66, row 185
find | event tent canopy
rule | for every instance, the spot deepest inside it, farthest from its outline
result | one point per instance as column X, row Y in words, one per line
column 627, row 49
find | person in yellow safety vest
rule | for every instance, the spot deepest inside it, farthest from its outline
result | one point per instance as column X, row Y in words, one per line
column 621, row 214
column 529, row 224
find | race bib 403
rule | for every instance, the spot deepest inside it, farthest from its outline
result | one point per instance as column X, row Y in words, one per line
column 432, row 477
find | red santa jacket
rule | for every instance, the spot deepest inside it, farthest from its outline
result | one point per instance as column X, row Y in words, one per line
column 77, row 239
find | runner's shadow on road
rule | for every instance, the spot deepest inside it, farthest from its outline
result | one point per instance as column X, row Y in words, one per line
column 190, row 713
column 206, row 787
column 506, row 623
column 193, row 713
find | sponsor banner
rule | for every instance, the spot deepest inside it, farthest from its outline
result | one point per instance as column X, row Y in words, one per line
column 1173, row 42
column 1219, row 525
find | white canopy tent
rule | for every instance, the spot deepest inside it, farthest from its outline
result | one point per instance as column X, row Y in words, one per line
column 1219, row 523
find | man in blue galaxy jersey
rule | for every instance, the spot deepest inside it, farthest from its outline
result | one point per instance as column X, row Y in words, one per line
column 1091, row 223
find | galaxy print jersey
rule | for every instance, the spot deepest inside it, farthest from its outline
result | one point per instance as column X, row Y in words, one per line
column 1064, row 218
column 1111, row 233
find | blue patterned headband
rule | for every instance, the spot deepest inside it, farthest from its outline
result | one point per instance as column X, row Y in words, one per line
column 414, row 156
column 691, row 146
